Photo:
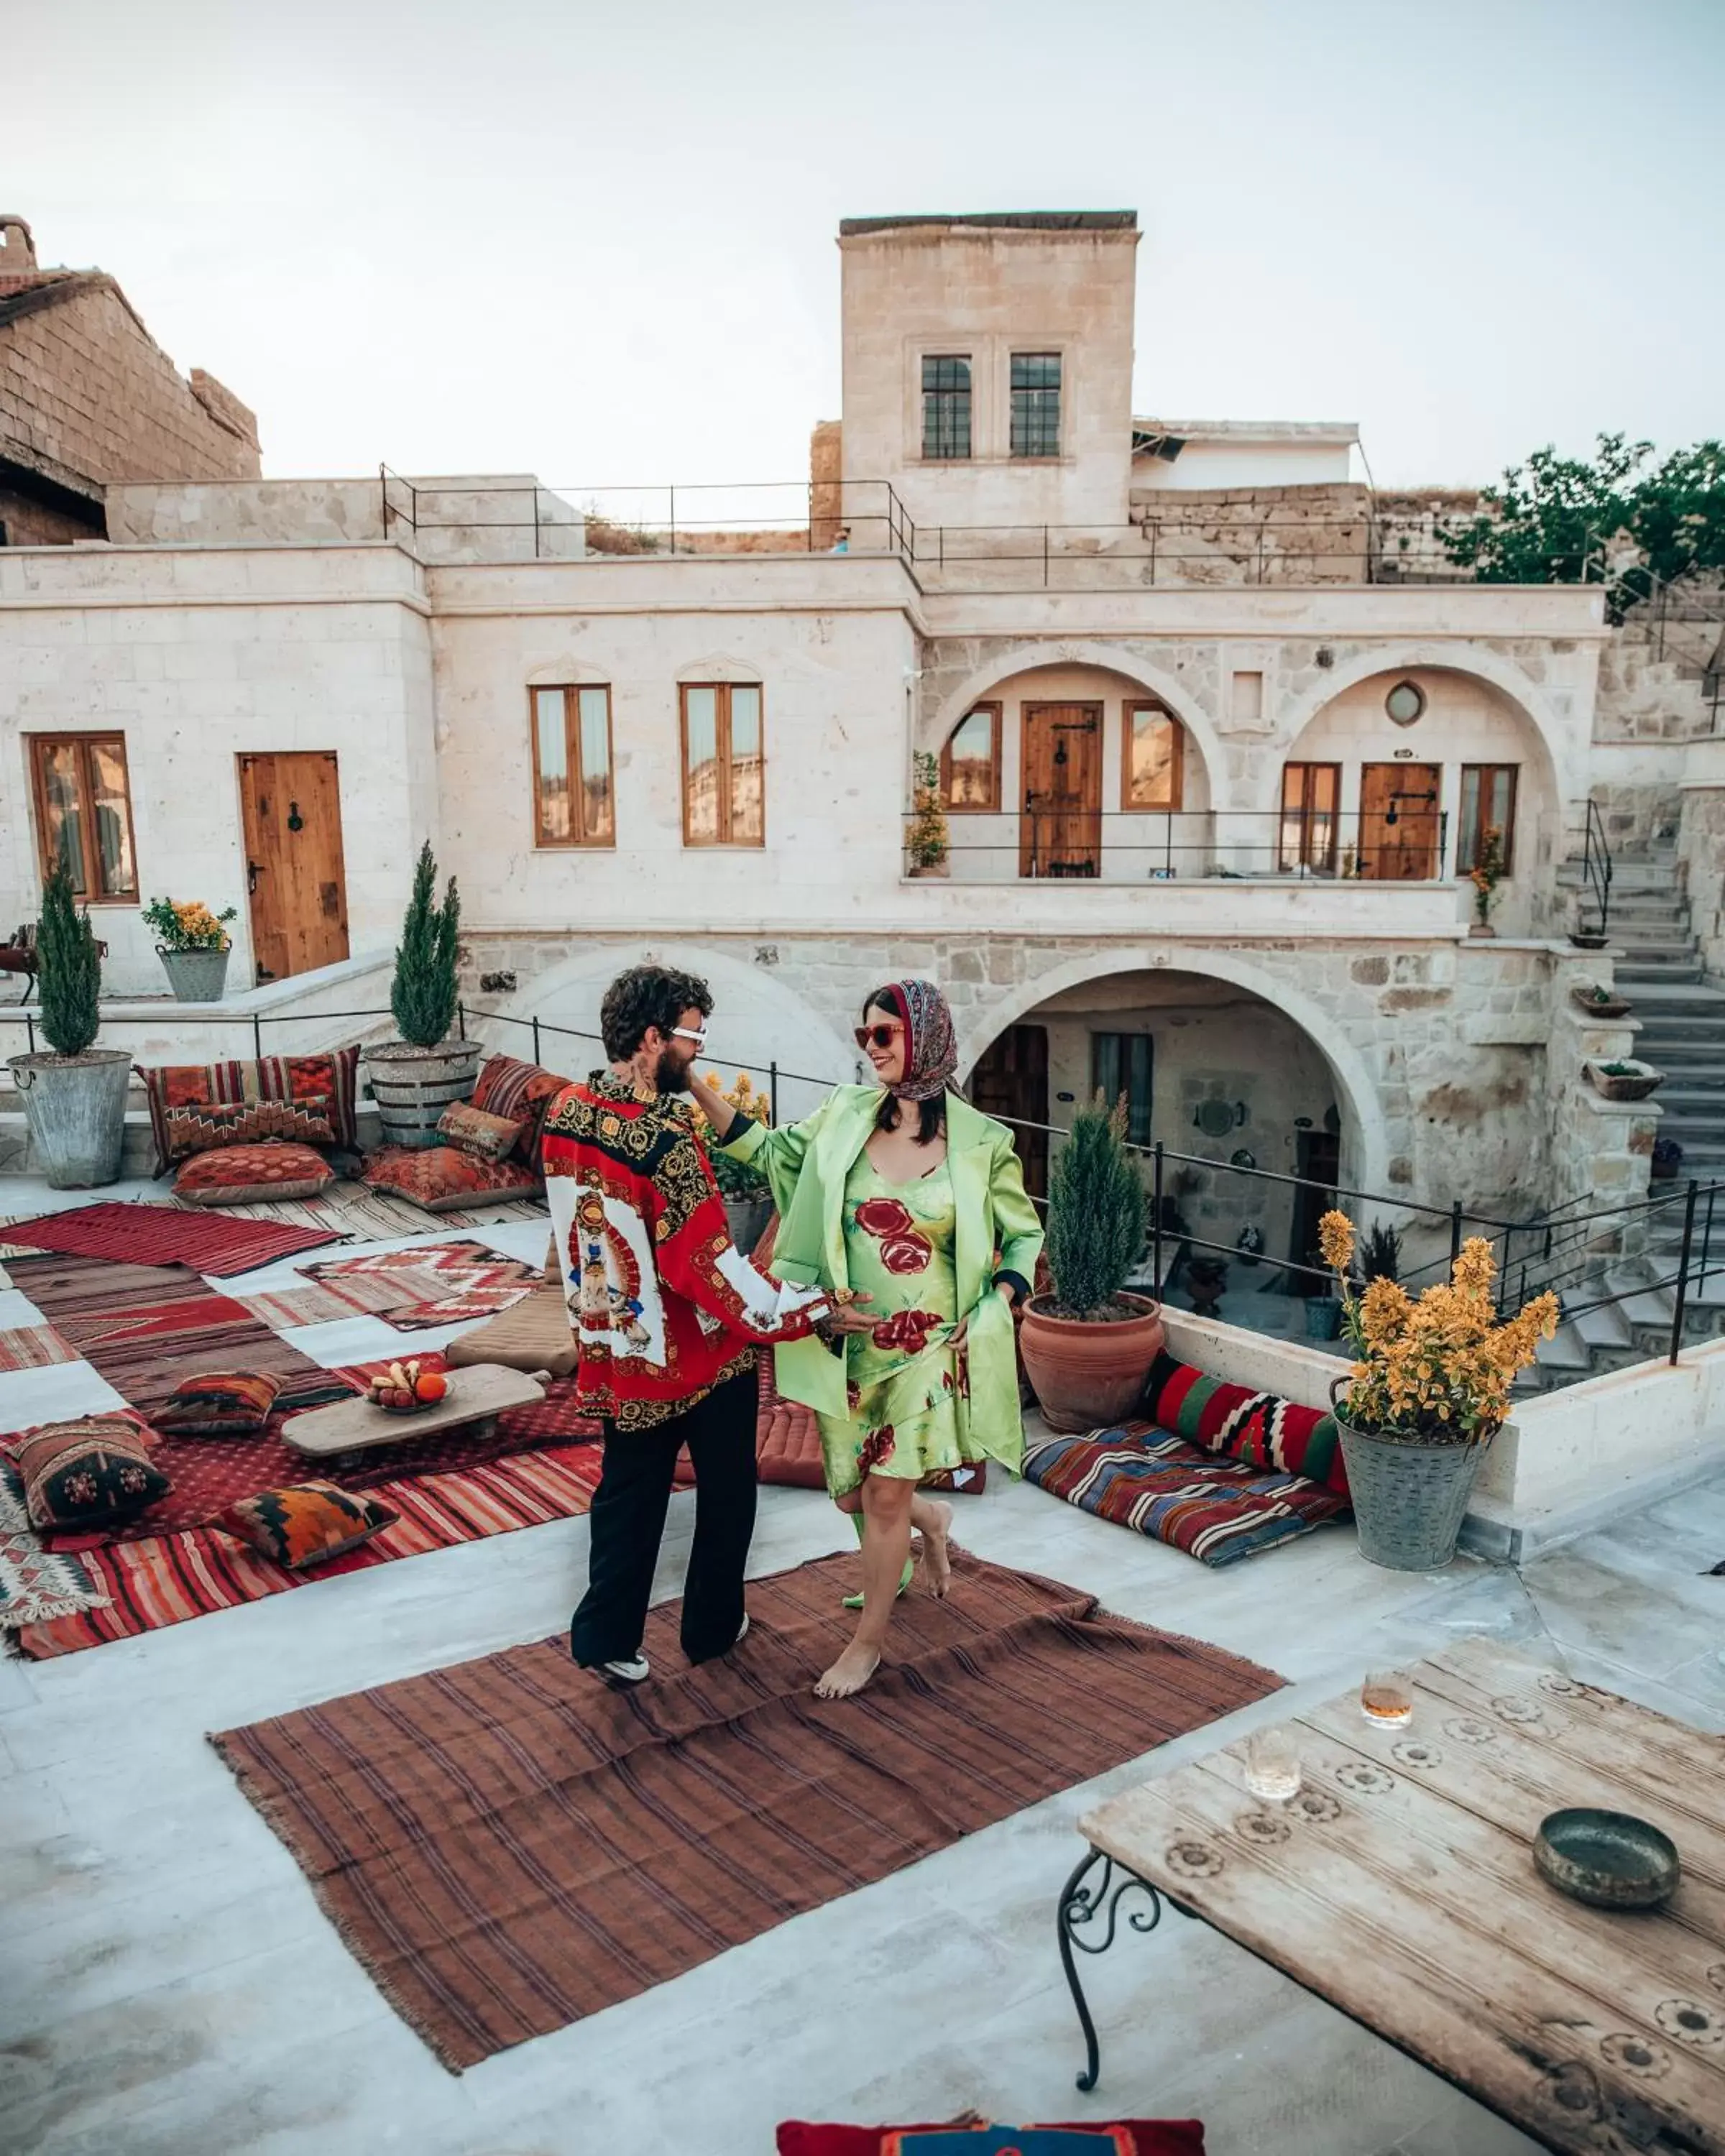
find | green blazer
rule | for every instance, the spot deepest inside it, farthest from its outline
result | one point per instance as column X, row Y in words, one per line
column 807, row 1165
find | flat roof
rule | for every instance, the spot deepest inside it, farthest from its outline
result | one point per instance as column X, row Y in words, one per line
column 1251, row 430
column 1010, row 220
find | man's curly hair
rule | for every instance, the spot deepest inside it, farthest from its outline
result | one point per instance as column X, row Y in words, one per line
column 646, row 996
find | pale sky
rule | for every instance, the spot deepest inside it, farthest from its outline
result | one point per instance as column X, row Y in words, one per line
column 597, row 242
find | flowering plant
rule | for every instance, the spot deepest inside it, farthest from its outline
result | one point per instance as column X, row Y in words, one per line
column 188, row 925
column 737, row 1178
column 1438, row 1370
column 1487, row 871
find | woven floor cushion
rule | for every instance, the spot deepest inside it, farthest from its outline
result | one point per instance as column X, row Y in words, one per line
column 1125, row 2136
column 1261, row 1428
column 1213, row 1508
column 523, row 1092
column 305, row 1523
column 332, row 1079
column 220, row 1403
column 248, row 1174
column 532, row 1334
column 442, row 1178
column 94, row 1472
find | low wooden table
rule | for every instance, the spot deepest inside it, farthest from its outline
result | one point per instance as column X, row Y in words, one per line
column 477, row 1395
column 1399, row 1885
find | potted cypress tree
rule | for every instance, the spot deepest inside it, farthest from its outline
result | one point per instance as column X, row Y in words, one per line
column 415, row 1078
column 1088, row 1347
column 75, row 1098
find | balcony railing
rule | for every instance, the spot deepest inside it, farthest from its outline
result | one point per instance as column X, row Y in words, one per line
column 1402, row 841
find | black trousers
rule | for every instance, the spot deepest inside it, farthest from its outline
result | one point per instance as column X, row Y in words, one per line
column 628, row 1522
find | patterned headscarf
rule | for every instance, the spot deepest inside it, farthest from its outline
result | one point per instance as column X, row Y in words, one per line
column 930, row 1045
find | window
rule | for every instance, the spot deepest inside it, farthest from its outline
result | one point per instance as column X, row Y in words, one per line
column 1036, row 403
column 1309, row 793
column 573, row 803
column 1121, row 1063
column 1404, row 703
column 946, row 406
column 83, row 813
column 970, row 763
column 1152, row 775
column 1488, row 804
column 724, row 770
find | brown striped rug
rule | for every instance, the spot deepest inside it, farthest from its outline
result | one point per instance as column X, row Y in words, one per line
column 507, row 1846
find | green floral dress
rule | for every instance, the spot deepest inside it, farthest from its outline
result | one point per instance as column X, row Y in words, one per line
column 909, row 1390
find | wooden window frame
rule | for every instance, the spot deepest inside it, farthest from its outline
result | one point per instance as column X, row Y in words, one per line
column 571, row 692
column 1175, row 806
column 996, row 712
column 1465, row 867
column 1330, row 864
column 722, row 747
column 92, row 893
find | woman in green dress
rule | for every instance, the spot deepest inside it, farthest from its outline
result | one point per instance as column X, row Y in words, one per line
column 906, row 1195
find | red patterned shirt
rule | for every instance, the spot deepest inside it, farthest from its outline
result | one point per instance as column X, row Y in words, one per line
column 663, row 1305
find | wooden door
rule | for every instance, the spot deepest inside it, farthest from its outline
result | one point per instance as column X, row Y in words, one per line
column 1011, row 1081
column 291, row 807
column 1061, row 832
column 1398, row 821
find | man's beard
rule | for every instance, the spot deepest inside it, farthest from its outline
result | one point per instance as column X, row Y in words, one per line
column 670, row 1074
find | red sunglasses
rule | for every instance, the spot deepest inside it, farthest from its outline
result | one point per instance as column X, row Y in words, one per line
column 882, row 1036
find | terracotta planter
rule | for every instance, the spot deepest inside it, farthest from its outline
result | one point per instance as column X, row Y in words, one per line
column 1086, row 1374
column 1633, row 1083
column 1612, row 1009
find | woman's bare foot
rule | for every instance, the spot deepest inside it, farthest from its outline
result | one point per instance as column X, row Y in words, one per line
column 934, row 1549
column 848, row 1674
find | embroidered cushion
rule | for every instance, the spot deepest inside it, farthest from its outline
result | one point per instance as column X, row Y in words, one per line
column 95, row 1472
column 307, row 1523
column 332, row 1078
column 242, row 1175
column 472, row 1130
column 236, row 1402
column 202, row 1129
column 522, row 1091
column 440, row 1177
column 1126, row 2137
column 1259, row 1428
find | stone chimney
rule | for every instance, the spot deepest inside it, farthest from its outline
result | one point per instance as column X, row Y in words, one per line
column 18, row 254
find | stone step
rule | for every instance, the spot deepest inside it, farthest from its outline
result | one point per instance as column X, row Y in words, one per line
column 1643, row 1307
column 1704, row 1104
column 1566, row 1350
column 1644, row 969
column 1604, row 1328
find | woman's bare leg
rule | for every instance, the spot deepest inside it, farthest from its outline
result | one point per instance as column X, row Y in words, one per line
column 932, row 1519
column 886, row 1506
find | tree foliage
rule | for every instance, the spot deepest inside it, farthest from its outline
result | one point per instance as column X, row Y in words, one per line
column 1620, row 517
column 1096, row 1211
column 69, row 968
column 424, row 992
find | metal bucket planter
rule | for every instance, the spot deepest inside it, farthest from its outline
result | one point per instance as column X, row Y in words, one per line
column 1324, row 1317
column 1409, row 1496
column 75, row 1109
column 747, row 1219
column 411, row 1087
column 196, row 977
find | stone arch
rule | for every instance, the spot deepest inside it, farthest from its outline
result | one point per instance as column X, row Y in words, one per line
column 755, row 1012
column 1365, row 1132
column 1527, row 698
column 933, row 729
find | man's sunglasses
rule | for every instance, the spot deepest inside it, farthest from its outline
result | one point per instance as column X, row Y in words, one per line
column 687, row 1033
column 880, row 1036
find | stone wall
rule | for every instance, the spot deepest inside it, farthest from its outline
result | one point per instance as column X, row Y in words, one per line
column 1700, row 850
column 85, row 391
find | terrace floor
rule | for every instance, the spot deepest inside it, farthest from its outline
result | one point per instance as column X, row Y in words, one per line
column 169, row 1985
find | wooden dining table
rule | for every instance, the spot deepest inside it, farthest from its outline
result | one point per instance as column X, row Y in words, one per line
column 1398, row 1884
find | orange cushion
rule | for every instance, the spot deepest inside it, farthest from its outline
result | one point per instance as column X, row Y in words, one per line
column 305, row 1523
column 238, row 1175
column 442, row 1177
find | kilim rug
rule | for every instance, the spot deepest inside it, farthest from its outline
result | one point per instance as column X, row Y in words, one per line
column 164, row 1235
column 508, row 1846
column 35, row 1586
column 33, row 1347
column 167, row 1578
column 146, row 1327
column 355, row 1295
column 471, row 1281
column 354, row 1211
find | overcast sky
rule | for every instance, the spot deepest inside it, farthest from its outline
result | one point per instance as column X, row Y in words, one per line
column 596, row 241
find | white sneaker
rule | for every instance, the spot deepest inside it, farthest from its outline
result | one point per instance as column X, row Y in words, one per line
column 742, row 1631
column 633, row 1671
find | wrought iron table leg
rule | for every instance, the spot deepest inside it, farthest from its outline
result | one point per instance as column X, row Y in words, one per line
column 1081, row 1905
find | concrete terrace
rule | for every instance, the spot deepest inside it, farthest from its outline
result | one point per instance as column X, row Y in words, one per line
column 174, row 1990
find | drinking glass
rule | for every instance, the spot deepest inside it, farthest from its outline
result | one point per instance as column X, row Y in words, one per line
column 1386, row 1699
column 1272, row 1765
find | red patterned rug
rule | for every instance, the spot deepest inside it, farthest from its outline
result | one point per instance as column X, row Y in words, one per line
column 168, row 1578
column 165, row 1234
column 472, row 1282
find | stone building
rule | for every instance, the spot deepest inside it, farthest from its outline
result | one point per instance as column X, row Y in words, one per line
column 88, row 398
column 1215, row 758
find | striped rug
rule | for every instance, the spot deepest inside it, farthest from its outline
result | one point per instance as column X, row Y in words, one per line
column 507, row 1846
column 170, row 1578
column 165, row 1234
column 33, row 1347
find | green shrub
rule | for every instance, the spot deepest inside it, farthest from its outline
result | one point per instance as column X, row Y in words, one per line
column 69, row 975
column 1096, row 1212
column 424, row 994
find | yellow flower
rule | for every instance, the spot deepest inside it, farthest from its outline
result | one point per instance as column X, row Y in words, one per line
column 1335, row 1238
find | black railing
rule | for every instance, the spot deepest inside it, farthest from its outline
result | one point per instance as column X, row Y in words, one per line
column 1595, row 874
column 1406, row 841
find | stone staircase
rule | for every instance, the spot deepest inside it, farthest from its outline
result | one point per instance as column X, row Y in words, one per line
column 1681, row 1020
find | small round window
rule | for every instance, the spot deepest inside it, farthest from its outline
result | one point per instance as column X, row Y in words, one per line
column 1405, row 702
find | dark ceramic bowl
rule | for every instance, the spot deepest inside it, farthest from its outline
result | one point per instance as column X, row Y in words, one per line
column 1607, row 1859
